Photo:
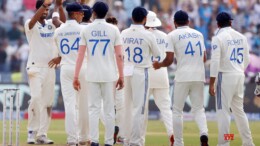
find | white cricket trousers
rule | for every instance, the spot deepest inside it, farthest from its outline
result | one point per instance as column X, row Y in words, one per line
column 229, row 99
column 136, row 96
column 41, row 82
column 120, row 112
column 163, row 102
column 181, row 91
column 98, row 91
column 70, row 99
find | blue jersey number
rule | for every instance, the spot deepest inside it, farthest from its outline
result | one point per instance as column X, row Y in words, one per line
column 65, row 48
column 137, row 58
column 158, row 58
column 189, row 49
column 237, row 55
column 106, row 41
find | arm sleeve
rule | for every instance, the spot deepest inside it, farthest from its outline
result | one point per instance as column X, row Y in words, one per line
column 170, row 47
column 118, row 40
column 26, row 27
column 215, row 57
column 82, row 38
column 55, row 44
column 246, row 55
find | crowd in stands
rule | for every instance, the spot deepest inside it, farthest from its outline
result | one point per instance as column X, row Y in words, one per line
column 246, row 13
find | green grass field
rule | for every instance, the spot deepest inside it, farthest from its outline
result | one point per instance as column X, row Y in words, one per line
column 156, row 134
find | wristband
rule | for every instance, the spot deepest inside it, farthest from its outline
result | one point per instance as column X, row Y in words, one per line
column 55, row 14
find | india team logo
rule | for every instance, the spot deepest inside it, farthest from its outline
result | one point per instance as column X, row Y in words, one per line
column 215, row 47
column 49, row 27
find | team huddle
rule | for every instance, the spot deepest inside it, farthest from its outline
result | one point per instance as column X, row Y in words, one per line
column 109, row 75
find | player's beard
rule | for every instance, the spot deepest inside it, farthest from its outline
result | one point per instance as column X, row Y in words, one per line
column 44, row 16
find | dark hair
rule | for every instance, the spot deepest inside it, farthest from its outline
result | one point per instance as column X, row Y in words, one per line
column 182, row 23
column 112, row 20
column 222, row 24
column 139, row 13
column 39, row 3
column 87, row 13
column 101, row 9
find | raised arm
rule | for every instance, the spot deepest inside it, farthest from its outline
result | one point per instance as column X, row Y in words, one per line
column 58, row 16
column 44, row 7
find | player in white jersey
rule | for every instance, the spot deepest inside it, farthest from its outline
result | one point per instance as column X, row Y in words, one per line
column 229, row 59
column 67, row 38
column 139, row 46
column 187, row 45
column 102, row 42
column 39, row 33
column 159, row 82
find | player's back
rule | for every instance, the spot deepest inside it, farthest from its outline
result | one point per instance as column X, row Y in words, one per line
column 139, row 45
column 161, row 40
column 100, row 38
column 189, row 50
column 67, row 38
column 39, row 38
column 234, row 51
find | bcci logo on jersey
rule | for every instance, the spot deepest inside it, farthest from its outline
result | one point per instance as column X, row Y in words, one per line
column 49, row 27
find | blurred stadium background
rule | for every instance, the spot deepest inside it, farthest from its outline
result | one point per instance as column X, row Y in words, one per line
column 246, row 13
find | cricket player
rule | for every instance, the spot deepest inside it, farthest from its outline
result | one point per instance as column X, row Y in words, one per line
column 102, row 42
column 39, row 33
column 139, row 46
column 159, row 82
column 87, row 15
column 119, row 132
column 229, row 59
column 188, row 46
column 257, row 81
column 67, row 39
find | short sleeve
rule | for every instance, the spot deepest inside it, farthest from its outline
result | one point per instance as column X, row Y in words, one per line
column 82, row 38
column 118, row 40
column 170, row 45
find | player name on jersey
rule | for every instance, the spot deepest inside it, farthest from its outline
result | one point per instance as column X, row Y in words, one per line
column 69, row 33
column 46, row 35
column 188, row 35
column 98, row 33
column 133, row 41
column 235, row 42
column 160, row 41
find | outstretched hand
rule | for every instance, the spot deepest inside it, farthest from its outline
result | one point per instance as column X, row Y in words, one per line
column 59, row 2
column 76, row 84
column 54, row 62
column 120, row 83
column 156, row 65
column 47, row 2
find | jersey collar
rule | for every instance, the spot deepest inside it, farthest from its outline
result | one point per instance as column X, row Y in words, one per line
column 137, row 26
column 71, row 21
column 222, row 29
column 181, row 27
column 99, row 20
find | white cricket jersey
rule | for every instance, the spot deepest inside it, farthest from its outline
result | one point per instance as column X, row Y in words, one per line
column 230, row 52
column 188, row 47
column 67, row 38
column 139, row 46
column 40, row 39
column 100, row 38
column 159, row 78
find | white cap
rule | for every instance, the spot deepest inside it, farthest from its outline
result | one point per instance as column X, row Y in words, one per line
column 152, row 20
column 118, row 3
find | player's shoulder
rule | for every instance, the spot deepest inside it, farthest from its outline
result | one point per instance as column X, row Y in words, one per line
column 161, row 33
column 195, row 31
